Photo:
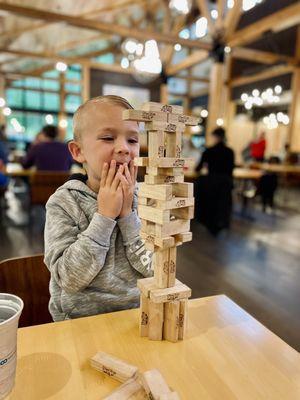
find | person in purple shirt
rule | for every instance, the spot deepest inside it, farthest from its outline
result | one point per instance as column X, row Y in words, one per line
column 48, row 154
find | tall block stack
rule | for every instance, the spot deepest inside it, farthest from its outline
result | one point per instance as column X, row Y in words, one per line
column 166, row 206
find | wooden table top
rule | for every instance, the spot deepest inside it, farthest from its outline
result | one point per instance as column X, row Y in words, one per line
column 227, row 355
column 238, row 173
column 278, row 168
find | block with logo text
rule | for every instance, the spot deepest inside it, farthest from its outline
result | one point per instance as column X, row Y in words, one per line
column 165, row 207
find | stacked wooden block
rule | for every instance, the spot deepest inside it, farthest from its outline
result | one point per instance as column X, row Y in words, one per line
column 166, row 206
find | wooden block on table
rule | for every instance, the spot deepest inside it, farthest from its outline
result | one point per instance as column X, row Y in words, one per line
column 171, row 228
column 156, row 144
column 145, row 116
column 170, row 396
column 185, row 189
column 131, row 389
column 113, row 366
column 144, row 315
column 164, row 126
column 175, row 202
column 184, row 119
column 183, row 319
column 154, row 384
column 183, row 213
column 171, row 321
column 154, row 214
column 159, row 180
column 178, row 292
column 160, row 107
column 158, row 192
column 156, row 320
column 170, row 162
column 156, row 171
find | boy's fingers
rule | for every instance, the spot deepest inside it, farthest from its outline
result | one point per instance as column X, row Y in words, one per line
column 111, row 173
column 127, row 174
column 117, row 178
column 103, row 174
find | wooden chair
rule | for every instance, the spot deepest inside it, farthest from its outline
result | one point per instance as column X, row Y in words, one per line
column 28, row 278
column 43, row 184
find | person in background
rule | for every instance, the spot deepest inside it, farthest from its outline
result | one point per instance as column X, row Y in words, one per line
column 3, row 159
column 48, row 154
column 258, row 147
column 213, row 199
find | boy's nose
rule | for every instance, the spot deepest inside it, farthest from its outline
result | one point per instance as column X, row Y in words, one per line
column 122, row 148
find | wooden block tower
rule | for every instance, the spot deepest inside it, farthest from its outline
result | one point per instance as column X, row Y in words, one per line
column 166, row 205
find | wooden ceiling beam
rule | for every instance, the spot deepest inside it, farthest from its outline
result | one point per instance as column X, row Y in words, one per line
column 204, row 11
column 21, row 75
column 280, row 20
column 110, row 28
column 169, row 50
column 263, row 57
column 192, row 60
column 89, row 14
column 267, row 74
column 68, row 60
column 232, row 18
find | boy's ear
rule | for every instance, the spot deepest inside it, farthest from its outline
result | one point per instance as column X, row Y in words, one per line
column 75, row 150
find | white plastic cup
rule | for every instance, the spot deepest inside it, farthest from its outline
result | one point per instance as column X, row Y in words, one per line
column 11, row 308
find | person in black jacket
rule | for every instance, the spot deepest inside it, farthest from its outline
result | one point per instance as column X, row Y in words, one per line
column 213, row 191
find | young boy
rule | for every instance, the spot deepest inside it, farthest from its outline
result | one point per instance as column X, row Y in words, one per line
column 92, row 244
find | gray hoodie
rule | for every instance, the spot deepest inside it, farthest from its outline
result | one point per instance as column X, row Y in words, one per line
column 94, row 261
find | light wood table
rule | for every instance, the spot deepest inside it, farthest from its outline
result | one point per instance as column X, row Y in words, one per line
column 238, row 173
column 227, row 355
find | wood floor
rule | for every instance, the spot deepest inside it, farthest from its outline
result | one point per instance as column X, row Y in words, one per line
column 257, row 264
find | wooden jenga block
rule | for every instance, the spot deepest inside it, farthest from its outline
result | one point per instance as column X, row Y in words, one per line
column 170, row 162
column 164, row 126
column 173, row 144
column 178, row 292
column 183, row 319
column 113, row 366
column 155, row 171
column 159, row 192
column 146, row 285
column 154, row 384
column 183, row 213
column 172, row 266
column 175, row 202
column 171, row 321
column 184, row 119
column 131, row 389
column 185, row 189
column 168, row 108
column 170, row 396
column 156, row 144
column 156, row 319
column 183, row 237
column 151, row 242
column 144, row 315
column 154, row 214
column 159, row 180
column 137, row 115
column 161, row 269
column 171, row 228
column 141, row 161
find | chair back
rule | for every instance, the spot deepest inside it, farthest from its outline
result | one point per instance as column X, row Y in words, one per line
column 43, row 184
column 28, row 278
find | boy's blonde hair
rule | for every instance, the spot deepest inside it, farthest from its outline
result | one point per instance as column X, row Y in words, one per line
column 110, row 99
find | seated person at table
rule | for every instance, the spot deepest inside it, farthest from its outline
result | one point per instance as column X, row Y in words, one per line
column 3, row 158
column 92, row 244
column 48, row 154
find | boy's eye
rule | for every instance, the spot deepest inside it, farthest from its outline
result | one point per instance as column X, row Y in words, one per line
column 107, row 138
column 133, row 141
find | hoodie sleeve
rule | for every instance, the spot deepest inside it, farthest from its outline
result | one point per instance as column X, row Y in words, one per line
column 138, row 256
column 74, row 258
